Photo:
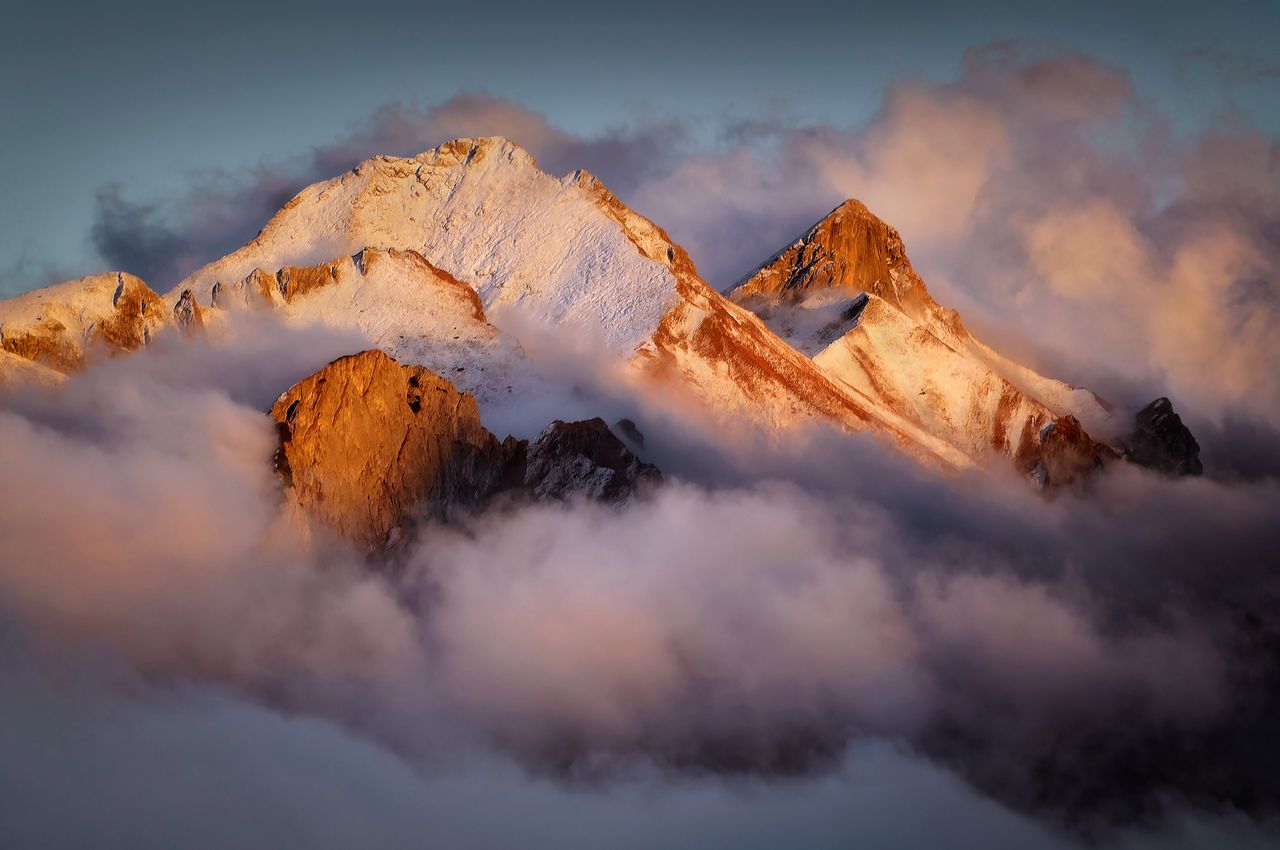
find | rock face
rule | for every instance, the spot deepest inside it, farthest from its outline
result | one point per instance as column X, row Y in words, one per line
column 1162, row 442
column 1060, row 453
column 849, row 251
column 187, row 314
column 584, row 459
column 367, row 446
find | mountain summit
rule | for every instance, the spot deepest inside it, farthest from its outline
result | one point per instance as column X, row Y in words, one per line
column 845, row 294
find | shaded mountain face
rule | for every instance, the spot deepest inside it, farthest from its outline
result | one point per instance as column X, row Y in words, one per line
column 845, row 294
column 584, row 459
column 1160, row 441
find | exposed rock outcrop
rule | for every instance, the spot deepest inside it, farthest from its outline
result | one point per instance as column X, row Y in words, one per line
column 368, row 446
column 1162, row 442
column 850, row 251
column 584, row 459
column 1060, row 453
column 187, row 314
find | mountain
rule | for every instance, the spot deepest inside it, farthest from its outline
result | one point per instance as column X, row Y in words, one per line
column 565, row 253
column 455, row 259
column 16, row 370
column 583, row 459
column 1161, row 441
column 401, row 304
column 846, row 295
column 59, row 327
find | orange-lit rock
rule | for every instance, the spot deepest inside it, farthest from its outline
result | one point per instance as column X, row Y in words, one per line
column 368, row 446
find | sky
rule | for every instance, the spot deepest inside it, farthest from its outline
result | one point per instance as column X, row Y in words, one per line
column 144, row 94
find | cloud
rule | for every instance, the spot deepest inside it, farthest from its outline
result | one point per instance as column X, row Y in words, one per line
column 770, row 607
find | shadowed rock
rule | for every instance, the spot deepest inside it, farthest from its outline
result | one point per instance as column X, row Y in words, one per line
column 187, row 314
column 1160, row 441
column 584, row 459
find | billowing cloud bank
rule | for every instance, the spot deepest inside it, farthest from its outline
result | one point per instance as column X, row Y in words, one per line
column 1095, row 660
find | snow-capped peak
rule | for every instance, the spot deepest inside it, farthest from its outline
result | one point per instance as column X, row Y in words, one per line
column 846, row 294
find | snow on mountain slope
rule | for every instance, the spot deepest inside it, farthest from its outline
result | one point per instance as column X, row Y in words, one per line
column 427, row 246
column 15, row 370
column 845, row 294
column 482, row 211
column 59, row 326
column 905, row 367
column 564, row 252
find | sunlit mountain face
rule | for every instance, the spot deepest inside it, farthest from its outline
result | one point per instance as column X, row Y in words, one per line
column 665, row 427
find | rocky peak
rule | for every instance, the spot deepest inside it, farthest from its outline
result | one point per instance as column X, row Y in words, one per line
column 475, row 150
column 187, row 314
column 849, row 251
column 1059, row 453
column 1162, row 442
column 368, row 446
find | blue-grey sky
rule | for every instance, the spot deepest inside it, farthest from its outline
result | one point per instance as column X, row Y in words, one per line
column 142, row 93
